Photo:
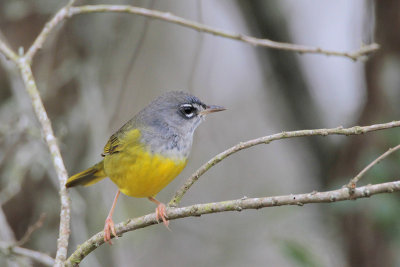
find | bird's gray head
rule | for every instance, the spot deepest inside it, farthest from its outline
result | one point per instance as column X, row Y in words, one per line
column 170, row 120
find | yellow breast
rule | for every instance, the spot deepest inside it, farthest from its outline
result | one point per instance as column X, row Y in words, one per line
column 139, row 173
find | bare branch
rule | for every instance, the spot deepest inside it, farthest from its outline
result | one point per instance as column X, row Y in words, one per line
column 234, row 205
column 31, row 229
column 43, row 258
column 268, row 139
column 70, row 10
column 7, row 52
column 166, row 16
column 62, row 243
column 8, row 237
column 23, row 63
column 352, row 184
column 50, row 25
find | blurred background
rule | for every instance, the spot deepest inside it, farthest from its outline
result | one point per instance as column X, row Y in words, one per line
column 97, row 70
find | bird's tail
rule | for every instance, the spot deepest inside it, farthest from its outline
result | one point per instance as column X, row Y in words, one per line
column 88, row 177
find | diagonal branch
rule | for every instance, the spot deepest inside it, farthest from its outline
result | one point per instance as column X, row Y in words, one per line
column 268, row 139
column 7, row 52
column 25, row 238
column 50, row 25
column 30, row 84
column 353, row 182
column 24, row 252
column 234, row 205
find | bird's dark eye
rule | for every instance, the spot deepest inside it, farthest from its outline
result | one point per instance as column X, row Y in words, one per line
column 188, row 110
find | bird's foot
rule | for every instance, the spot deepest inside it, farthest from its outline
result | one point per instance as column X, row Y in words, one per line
column 161, row 213
column 108, row 230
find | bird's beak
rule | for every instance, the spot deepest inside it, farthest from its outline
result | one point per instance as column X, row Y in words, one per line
column 211, row 109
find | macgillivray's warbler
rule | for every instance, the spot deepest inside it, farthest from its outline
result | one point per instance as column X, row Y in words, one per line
column 149, row 151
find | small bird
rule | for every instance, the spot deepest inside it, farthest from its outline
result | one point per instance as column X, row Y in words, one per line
column 149, row 151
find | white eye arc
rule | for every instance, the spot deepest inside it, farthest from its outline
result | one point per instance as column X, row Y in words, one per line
column 188, row 110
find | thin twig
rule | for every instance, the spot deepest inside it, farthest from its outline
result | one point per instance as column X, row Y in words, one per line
column 268, row 139
column 23, row 63
column 233, row 205
column 70, row 10
column 7, row 236
column 24, row 252
column 30, row 230
column 7, row 52
column 30, row 84
column 352, row 184
column 166, row 16
column 50, row 25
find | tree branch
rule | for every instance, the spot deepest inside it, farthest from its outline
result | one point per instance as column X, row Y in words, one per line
column 24, row 62
column 70, row 10
column 30, row 230
column 30, row 85
column 268, row 139
column 7, row 52
column 168, row 17
column 43, row 258
column 234, row 205
column 8, row 237
column 352, row 184
column 50, row 25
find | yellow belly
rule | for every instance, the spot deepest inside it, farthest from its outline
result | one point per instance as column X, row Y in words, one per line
column 138, row 173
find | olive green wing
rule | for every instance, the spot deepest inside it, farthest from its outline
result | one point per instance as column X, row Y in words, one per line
column 113, row 145
column 126, row 136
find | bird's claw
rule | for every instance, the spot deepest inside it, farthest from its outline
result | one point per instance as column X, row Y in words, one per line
column 161, row 213
column 108, row 230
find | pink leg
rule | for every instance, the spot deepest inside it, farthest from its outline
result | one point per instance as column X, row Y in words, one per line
column 109, row 225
